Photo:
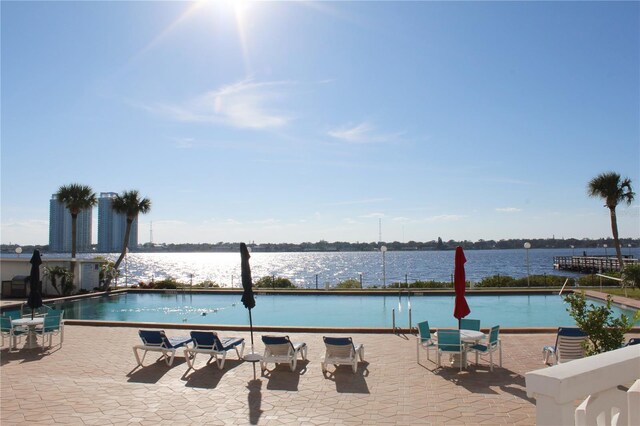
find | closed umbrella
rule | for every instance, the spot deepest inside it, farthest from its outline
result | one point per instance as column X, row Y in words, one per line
column 35, row 298
column 461, row 309
column 248, row 300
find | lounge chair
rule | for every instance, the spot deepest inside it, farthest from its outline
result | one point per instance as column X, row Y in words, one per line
column 424, row 340
column 470, row 324
column 568, row 346
column 342, row 350
column 7, row 329
column 53, row 325
column 208, row 342
column 157, row 341
column 632, row 341
column 449, row 342
column 493, row 345
column 279, row 349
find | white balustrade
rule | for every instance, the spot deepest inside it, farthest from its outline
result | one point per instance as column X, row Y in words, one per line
column 557, row 388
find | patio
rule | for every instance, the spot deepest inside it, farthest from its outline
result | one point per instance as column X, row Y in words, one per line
column 92, row 379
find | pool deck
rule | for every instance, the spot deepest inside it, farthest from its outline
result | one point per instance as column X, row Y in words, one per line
column 93, row 379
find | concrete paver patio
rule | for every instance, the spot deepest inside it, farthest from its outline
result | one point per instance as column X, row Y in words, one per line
column 93, row 379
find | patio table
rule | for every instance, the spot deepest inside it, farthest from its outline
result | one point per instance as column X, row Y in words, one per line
column 32, row 341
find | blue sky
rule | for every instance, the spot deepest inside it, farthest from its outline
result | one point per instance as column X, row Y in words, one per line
column 301, row 121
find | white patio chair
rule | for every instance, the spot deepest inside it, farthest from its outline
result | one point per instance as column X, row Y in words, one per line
column 342, row 350
column 280, row 350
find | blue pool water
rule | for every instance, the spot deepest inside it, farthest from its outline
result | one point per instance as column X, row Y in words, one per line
column 322, row 310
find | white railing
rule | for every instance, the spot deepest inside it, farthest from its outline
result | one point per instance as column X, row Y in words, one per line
column 556, row 388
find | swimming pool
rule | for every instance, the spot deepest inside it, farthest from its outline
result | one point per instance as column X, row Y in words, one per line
column 324, row 310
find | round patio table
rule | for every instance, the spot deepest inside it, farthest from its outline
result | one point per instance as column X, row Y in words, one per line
column 32, row 341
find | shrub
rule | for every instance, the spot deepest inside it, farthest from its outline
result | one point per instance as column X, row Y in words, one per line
column 631, row 275
column 273, row 282
column 605, row 332
column 168, row 283
column 350, row 283
column 497, row 281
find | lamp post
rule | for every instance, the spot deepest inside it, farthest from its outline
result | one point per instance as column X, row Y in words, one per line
column 629, row 245
column 573, row 251
column 18, row 250
column 527, row 246
column 605, row 250
column 383, row 249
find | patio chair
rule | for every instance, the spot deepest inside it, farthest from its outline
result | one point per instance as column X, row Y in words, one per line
column 470, row 324
column 632, row 341
column 493, row 345
column 424, row 340
column 279, row 349
column 7, row 329
column 568, row 346
column 341, row 350
column 208, row 342
column 53, row 325
column 157, row 341
column 449, row 342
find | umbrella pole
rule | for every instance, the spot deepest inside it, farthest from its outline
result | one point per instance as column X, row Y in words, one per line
column 251, row 329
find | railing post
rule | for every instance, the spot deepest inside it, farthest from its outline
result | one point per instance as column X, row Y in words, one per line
column 393, row 319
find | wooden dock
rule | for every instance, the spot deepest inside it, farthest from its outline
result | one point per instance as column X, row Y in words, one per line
column 591, row 264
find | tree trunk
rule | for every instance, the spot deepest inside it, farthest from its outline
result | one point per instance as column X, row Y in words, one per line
column 125, row 243
column 616, row 241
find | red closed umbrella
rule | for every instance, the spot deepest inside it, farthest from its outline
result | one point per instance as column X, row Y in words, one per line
column 461, row 309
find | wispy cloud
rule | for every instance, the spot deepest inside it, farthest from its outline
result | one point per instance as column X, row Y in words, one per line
column 246, row 104
column 508, row 209
column 364, row 132
column 353, row 202
column 445, row 218
column 374, row 215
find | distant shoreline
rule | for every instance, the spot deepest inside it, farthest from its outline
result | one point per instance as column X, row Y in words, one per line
column 338, row 246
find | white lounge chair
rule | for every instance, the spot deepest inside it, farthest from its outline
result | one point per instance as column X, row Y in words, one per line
column 208, row 342
column 568, row 346
column 342, row 350
column 281, row 350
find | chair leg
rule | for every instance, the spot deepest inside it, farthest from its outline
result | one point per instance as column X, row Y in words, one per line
column 500, row 352
column 135, row 352
column 169, row 359
column 354, row 366
column 491, row 361
column 221, row 362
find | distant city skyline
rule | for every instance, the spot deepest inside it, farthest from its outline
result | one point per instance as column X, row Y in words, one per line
column 305, row 121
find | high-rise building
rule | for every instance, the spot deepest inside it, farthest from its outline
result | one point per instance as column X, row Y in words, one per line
column 112, row 225
column 60, row 228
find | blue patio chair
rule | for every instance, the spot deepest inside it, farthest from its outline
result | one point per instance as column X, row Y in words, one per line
column 632, row 341
column 341, row 350
column 7, row 329
column 449, row 342
column 493, row 345
column 209, row 343
column 157, row 341
column 281, row 350
column 53, row 325
column 424, row 339
column 469, row 324
column 568, row 346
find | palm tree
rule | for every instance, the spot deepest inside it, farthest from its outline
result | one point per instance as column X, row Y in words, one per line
column 129, row 203
column 76, row 198
column 613, row 190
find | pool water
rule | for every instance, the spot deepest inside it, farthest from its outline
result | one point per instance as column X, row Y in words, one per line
column 323, row 310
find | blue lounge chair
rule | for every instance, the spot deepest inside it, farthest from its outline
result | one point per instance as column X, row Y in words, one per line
column 208, row 342
column 424, row 340
column 279, row 349
column 493, row 345
column 568, row 346
column 341, row 350
column 470, row 324
column 157, row 341
column 449, row 342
